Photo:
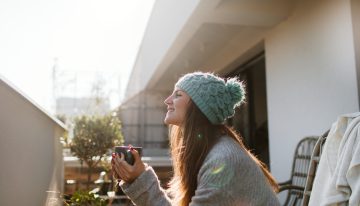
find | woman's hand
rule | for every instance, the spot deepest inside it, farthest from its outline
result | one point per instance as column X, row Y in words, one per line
column 123, row 170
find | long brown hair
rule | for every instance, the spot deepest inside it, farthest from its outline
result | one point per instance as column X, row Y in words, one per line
column 190, row 143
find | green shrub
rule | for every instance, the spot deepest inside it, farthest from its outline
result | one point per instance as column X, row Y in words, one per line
column 84, row 198
column 93, row 137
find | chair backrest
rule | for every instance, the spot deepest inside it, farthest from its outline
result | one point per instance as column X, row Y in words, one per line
column 315, row 159
column 299, row 171
column 302, row 159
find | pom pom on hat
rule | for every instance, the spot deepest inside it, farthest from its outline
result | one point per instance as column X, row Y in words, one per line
column 216, row 98
column 236, row 90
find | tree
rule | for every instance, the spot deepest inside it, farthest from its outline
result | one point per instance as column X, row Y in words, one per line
column 93, row 137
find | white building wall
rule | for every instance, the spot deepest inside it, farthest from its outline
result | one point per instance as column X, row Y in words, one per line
column 165, row 23
column 311, row 76
column 30, row 151
column 355, row 11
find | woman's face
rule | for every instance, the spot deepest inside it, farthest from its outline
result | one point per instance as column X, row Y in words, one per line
column 177, row 104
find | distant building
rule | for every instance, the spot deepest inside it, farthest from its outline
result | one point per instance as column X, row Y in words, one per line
column 72, row 107
column 85, row 92
column 32, row 169
column 142, row 123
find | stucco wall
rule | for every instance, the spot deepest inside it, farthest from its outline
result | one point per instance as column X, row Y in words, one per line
column 30, row 154
column 311, row 76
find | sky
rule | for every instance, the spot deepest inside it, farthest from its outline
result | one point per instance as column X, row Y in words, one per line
column 50, row 48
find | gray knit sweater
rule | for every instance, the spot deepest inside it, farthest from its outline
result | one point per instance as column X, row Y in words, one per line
column 227, row 177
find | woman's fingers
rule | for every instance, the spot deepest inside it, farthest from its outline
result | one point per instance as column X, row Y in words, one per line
column 139, row 166
column 122, row 168
column 115, row 164
column 128, row 172
column 136, row 155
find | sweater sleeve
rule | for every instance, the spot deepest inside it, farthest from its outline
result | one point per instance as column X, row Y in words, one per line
column 146, row 190
column 227, row 177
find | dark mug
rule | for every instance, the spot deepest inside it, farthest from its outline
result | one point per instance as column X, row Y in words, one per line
column 129, row 158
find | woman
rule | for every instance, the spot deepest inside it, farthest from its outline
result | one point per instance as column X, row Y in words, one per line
column 211, row 165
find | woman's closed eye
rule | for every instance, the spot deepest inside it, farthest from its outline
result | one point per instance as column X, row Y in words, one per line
column 178, row 94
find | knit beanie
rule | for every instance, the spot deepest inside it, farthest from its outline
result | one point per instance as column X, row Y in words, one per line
column 215, row 98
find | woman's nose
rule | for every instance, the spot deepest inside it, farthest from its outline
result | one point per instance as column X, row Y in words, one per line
column 168, row 100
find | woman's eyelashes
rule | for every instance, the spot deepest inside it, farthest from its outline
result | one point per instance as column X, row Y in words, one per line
column 177, row 94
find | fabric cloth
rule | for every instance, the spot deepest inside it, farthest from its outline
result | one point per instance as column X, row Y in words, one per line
column 228, row 177
column 215, row 98
column 337, row 180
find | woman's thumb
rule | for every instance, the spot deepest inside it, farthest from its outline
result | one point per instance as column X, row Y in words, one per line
column 135, row 154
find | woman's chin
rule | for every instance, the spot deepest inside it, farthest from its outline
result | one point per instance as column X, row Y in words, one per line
column 166, row 121
column 169, row 121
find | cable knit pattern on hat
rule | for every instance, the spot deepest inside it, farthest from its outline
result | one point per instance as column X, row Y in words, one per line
column 216, row 98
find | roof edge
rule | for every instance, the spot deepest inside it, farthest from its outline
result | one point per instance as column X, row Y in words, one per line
column 10, row 85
